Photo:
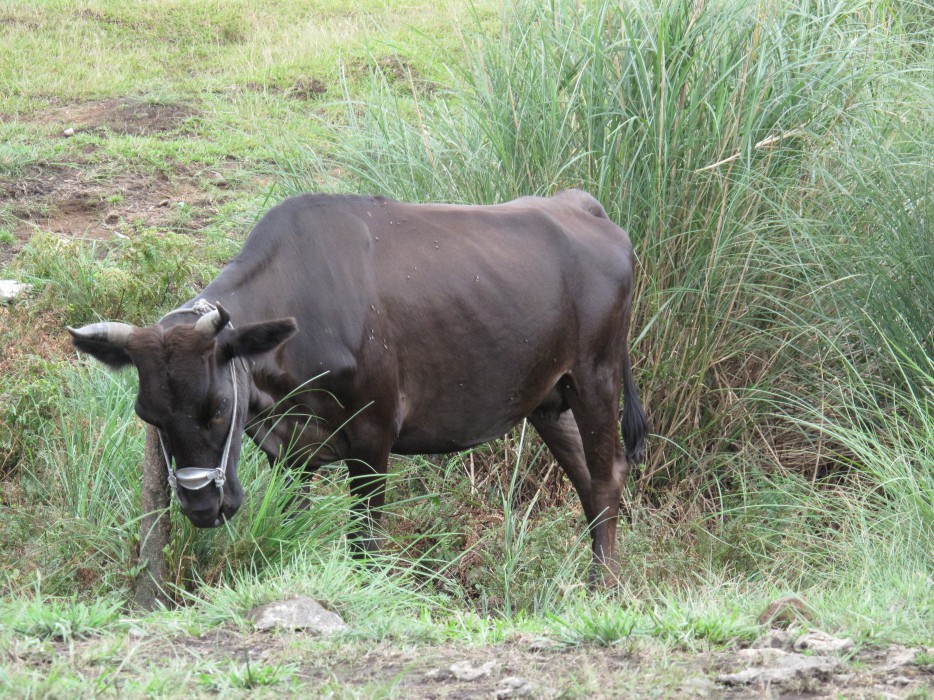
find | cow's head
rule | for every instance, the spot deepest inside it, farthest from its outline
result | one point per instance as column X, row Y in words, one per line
column 194, row 387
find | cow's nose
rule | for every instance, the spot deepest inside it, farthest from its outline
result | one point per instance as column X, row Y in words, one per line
column 206, row 517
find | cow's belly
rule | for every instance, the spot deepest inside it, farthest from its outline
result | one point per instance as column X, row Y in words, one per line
column 459, row 417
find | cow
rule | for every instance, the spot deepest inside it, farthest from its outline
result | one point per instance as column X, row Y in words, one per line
column 352, row 327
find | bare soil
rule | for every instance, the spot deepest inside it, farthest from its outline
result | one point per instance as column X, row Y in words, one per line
column 121, row 116
column 81, row 198
column 524, row 667
column 74, row 200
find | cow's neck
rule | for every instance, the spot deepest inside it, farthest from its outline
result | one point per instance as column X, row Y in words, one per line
column 292, row 423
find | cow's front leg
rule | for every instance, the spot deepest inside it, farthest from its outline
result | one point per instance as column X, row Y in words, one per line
column 368, row 488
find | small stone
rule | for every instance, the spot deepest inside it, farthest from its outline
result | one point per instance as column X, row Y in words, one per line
column 823, row 643
column 164, row 203
column 899, row 656
column 68, row 132
column 513, row 687
column 539, row 644
column 785, row 611
column 775, row 639
column 300, row 613
column 466, row 671
column 898, row 680
column 697, row 687
column 760, row 657
column 11, row 290
column 788, row 667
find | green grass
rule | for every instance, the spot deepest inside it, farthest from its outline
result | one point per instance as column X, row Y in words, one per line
column 61, row 619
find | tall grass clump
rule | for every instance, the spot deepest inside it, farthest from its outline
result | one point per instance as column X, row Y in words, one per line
column 772, row 162
column 706, row 129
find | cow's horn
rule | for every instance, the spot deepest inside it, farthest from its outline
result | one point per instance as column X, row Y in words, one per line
column 111, row 332
column 213, row 322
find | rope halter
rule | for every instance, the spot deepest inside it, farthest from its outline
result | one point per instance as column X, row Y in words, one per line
column 193, row 478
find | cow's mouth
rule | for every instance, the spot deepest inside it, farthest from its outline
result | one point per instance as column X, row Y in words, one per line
column 209, row 519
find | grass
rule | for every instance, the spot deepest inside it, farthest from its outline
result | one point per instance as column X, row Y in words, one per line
column 772, row 162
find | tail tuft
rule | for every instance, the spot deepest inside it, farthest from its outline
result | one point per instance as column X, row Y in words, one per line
column 632, row 418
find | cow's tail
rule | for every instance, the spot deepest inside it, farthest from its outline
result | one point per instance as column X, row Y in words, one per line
column 632, row 418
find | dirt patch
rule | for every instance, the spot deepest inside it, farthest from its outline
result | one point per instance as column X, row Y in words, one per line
column 306, row 88
column 303, row 88
column 77, row 201
column 525, row 667
column 129, row 116
column 515, row 670
column 396, row 70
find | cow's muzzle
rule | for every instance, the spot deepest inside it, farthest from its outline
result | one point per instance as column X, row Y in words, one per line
column 194, row 478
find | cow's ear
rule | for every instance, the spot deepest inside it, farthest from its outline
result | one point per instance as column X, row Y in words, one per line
column 257, row 338
column 105, row 342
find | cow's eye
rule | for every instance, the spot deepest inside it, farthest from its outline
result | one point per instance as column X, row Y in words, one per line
column 221, row 407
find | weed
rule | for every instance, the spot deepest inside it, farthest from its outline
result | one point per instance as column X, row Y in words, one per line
column 601, row 627
column 62, row 619
column 132, row 279
column 247, row 676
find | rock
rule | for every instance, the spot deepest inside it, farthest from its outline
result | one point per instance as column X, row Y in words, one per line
column 698, row 687
column 760, row 657
column 785, row 668
column 11, row 290
column 543, row 644
column 68, row 132
column 899, row 680
column 785, row 611
column 822, row 643
column 300, row 613
column 466, row 671
column 897, row 657
column 513, row 687
column 775, row 639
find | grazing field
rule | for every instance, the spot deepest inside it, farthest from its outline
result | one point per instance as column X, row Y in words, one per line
column 773, row 162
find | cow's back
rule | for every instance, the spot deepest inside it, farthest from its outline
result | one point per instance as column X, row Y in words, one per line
column 437, row 311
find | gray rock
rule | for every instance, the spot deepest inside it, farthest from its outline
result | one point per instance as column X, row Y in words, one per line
column 899, row 680
column 513, row 687
column 822, row 643
column 760, row 657
column 784, row 668
column 897, row 657
column 300, row 613
column 775, row 639
column 10, row 290
column 466, row 671
column 697, row 687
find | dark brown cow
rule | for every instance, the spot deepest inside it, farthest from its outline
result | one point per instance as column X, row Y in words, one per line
column 352, row 327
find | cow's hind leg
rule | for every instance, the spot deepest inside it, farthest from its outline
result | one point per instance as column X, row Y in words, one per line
column 596, row 408
column 562, row 437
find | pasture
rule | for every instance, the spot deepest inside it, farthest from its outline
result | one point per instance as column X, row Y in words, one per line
column 773, row 163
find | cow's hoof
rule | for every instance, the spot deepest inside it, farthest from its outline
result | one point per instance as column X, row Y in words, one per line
column 603, row 577
column 365, row 546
